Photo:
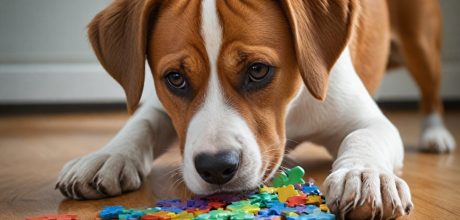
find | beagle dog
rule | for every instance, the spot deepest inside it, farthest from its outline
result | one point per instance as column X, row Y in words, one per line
column 235, row 79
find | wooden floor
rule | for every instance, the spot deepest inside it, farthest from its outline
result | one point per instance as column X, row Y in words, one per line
column 33, row 149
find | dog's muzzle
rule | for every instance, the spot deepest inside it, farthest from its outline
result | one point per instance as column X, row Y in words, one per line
column 218, row 168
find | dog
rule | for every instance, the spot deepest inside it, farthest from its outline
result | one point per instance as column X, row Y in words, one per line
column 235, row 79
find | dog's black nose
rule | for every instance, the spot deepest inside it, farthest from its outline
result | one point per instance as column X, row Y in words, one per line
column 217, row 168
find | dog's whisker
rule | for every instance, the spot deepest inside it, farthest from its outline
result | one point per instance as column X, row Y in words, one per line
column 173, row 188
column 172, row 173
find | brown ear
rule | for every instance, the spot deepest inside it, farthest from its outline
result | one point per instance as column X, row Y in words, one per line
column 321, row 30
column 118, row 35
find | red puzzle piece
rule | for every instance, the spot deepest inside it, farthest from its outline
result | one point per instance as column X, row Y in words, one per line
column 297, row 200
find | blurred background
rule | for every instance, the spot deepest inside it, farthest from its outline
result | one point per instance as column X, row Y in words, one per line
column 45, row 57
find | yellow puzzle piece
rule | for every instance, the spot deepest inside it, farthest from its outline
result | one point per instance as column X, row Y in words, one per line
column 285, row 192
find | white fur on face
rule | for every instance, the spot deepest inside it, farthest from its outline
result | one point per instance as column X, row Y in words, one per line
column 216, row 126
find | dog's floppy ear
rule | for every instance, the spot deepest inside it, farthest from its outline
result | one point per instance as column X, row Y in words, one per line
column 321, row 30
column 118, row 35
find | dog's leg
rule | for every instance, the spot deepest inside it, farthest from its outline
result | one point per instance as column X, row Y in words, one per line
column 420, row 46
column 368, row 149
column 363, row 184
column 121, row 165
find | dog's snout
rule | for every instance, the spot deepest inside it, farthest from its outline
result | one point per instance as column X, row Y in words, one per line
column 217, row 168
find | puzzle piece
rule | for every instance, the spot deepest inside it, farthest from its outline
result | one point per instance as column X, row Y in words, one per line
column 324, row 208
column 184, row 216
column 289, row 177
column 297, row 200
column 311, row 190
column 267, row 189
column 110, row 212
column 285, row 192
column 216, row 205
column 150, row 210
column 215, row 214
column 280, row 179
column 290, row 214
column 131, row 214
column 161, row 215
column 268, row 213
column 317, row 216
column 244, row 206
column 197, row 211
column 273, row 217
column 172, row 209
column 295, row 175
column 314, row 199
column 312, row 209
column 196, row 203
column 241, row 216
column 262, row 199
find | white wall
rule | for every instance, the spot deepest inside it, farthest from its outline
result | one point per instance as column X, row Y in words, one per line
column 45, row 56
column 46, row 31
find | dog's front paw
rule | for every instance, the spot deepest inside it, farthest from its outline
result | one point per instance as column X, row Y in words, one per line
column 437, row 139
column 435, row 136
column 367, row 194
column 99, row 175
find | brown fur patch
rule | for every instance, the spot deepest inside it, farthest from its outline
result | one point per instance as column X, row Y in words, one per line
column 176, row 43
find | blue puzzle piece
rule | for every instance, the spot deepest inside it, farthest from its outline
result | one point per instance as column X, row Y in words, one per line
column 109, row 212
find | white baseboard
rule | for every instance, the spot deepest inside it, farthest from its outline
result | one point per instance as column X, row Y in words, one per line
column 57, row 83
column 88, row 83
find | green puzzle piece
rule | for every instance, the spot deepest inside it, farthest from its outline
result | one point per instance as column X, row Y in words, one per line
column 244, row 206
column 296, row 175
column 262, row 199
column 280, row 180
column 289, row 177
column 242, row 216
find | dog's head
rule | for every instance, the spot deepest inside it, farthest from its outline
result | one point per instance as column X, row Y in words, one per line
column 225, row 71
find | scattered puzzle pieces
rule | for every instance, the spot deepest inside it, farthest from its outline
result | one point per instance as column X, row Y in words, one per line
column 290, row 198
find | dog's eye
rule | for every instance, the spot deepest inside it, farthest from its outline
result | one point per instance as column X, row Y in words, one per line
column 258, row 75
column 258, row 71
column 176, row 80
